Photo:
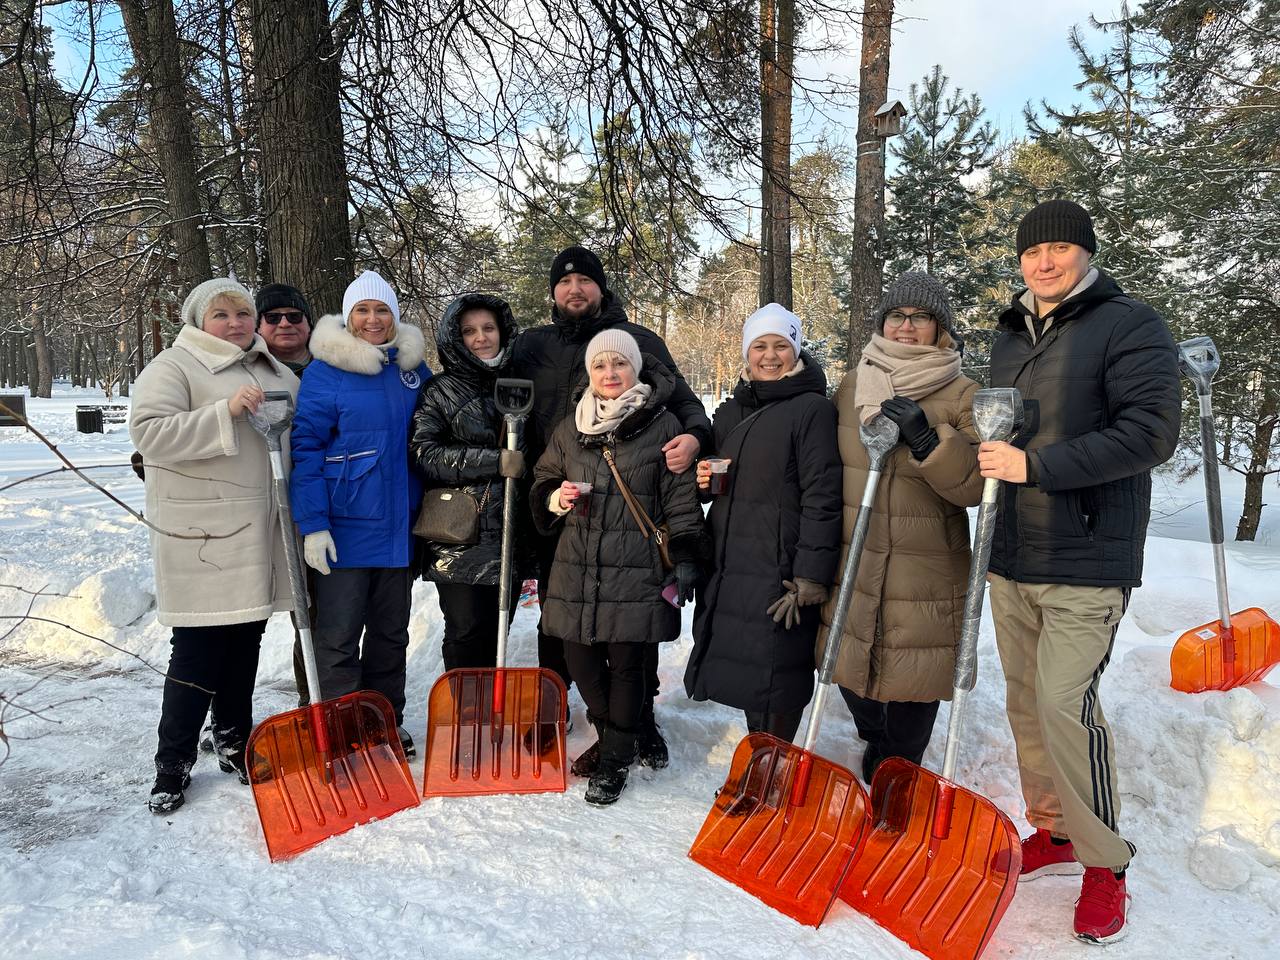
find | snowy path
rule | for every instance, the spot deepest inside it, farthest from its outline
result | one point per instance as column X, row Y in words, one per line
column 86, row 871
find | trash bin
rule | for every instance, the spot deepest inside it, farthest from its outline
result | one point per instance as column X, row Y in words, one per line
column 89, row 419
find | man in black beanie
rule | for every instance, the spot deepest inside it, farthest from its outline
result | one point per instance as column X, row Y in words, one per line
column 1098, row 374
column 552, row 356
column 284, row 323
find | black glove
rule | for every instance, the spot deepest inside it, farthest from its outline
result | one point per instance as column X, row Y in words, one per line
column 511, row 464
column 912, row 424
column 135, row 461
column 686, row 572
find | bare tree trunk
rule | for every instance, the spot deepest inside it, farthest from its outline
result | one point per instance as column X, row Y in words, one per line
column 867, row 274
column 304, row 173
column 153, row 35
column 42, row 384
column 777, row 54
column 1259, row 451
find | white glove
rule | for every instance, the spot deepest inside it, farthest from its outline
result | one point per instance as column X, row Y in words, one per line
column 315, row 546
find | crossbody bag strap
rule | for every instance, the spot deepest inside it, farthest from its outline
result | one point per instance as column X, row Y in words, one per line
column 641, row 518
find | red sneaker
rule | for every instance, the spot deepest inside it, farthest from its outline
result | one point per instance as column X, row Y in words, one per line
column 1041, row 857
column 1101, row 907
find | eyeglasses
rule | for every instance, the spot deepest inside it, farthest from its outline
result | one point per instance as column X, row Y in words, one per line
column 918, row 321
column 289, row 316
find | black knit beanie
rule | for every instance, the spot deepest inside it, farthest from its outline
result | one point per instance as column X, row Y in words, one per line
column 1057, row 221
column 577, row 260
column 916, row 288
column 272, row 296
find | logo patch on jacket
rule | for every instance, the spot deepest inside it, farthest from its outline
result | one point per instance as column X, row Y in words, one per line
column 410, row 379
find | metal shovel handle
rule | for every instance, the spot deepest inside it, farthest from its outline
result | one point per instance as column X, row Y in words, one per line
column 514, row 399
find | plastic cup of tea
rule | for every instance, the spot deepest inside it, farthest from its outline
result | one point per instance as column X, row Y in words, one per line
column 719, row 482
column 671, row 594
column 582, row 505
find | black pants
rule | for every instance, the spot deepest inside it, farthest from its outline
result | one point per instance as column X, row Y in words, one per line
column 781, row 725
column 899, row 728
column 374, row 600
column 207, row 666
column 471, row 623
column 611, row 679
column 299, row 665
column 551, row 650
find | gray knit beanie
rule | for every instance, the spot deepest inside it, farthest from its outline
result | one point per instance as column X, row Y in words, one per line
column 616, row 341
column 918, row 289
column 198, row 300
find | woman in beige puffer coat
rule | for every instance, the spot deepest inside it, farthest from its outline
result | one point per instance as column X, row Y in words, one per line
column 208, row 473
column 898, row 652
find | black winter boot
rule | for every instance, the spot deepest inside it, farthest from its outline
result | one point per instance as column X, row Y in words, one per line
column 587, row 762
column 166, row 794
column 651, row 749
column 617, row 753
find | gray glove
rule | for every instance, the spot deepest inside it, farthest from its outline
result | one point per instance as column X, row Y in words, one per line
column 785, row 610
column 808, row 592
column 511, row 464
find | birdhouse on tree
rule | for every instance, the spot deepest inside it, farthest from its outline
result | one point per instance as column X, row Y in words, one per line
column 889, row 119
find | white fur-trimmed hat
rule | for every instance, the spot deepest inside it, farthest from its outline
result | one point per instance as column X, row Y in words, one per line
column 369, row 286
column 616, row 341
column 198, row 300
column 771, row 318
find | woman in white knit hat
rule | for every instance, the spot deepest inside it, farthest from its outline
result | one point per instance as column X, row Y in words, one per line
column 775, row 531
column 605, row 597
column 207, row 472
column 354, row 496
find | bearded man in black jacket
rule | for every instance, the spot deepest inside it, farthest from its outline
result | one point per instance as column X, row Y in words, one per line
column 1098, row 374
column 552, row 356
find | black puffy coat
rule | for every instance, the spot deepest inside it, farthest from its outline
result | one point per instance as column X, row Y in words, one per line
column 779, row 520
column 606, row 582
column 456, row 440
column 1101, row 396
column 552, row 356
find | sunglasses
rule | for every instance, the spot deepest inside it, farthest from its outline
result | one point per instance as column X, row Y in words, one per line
column 289, row 316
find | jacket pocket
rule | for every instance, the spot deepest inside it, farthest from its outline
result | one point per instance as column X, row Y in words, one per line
column 353, row 482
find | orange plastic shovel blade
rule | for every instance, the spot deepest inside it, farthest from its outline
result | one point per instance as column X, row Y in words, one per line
column 939, row 866
column 787, row 843
column 475, row 750
column 1209, row 658
column 320, row 770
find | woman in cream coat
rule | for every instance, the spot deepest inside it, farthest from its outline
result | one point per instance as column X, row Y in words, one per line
column 218, row 556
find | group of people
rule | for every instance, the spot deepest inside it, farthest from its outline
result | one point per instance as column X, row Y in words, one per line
column 615, row 467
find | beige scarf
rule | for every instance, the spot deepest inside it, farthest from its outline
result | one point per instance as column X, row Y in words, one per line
column 889, row 369
column 599, row 415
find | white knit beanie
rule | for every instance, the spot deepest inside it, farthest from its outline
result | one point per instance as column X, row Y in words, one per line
column 771, row 318
column 617, row 341
column 198, row 300
column 369, row 286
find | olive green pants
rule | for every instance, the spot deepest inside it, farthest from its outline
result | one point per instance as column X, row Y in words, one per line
column 1055, row 640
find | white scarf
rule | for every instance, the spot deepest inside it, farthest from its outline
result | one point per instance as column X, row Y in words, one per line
column 599, row 415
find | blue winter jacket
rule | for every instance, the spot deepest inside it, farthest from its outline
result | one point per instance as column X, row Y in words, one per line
column 350, row 444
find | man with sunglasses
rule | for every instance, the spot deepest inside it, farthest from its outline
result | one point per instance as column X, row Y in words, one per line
column 284, row 322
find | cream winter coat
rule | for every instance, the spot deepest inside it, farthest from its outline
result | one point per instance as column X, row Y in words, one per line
column 208, row 472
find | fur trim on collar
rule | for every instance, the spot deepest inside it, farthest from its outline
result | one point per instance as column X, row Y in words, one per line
column 333, row 343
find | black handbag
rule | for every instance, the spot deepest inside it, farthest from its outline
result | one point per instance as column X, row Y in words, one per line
column 450, row 515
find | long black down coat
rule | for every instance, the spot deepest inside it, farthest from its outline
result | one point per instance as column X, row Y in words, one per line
column 552, row 356
column 606, row 582
column 1101, row 395
column 779, row 520
column 456, row 440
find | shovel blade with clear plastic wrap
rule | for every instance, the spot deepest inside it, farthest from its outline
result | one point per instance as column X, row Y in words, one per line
column 787, row 822
column 940, row 863
column 322, row 769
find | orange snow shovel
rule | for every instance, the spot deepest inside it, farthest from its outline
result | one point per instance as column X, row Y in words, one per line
column 322, row 769
column 941, row 863
column 1236, row 648
column 498, row 730
column 787, row 823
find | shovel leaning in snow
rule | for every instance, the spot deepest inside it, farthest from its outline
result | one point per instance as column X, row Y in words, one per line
column 941, row 863
column 1236, row 648
column 498, row 730
column 787, row 823
column 321, row 769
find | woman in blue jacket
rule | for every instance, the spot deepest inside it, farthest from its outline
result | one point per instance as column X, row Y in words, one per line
column 354, row 496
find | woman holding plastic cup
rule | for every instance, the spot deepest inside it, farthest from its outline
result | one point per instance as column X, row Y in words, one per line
column 606, row 592
column 775, row 531
column 898, row 655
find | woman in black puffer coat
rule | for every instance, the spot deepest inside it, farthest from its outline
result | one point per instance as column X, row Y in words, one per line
column 605, row 596
column 775, row 533
column 458, row 441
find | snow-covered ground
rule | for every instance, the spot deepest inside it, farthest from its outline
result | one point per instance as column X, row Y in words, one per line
column 87, row 871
